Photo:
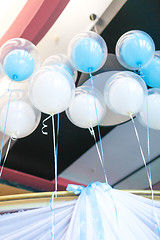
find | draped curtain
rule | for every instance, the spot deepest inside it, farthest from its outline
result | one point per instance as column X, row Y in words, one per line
column 99, row 213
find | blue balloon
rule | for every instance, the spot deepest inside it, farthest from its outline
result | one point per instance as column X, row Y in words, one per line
column 135, row 49
column 87, row 55
column 19, row 65
column 151, row 73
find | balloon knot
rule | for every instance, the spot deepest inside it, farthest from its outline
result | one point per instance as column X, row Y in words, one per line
column 130, row 114
column 14, row 76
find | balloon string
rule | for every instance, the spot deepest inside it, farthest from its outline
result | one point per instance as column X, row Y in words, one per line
column 54, row 193
column 57, row 134
column 10, row 85
column 139, row 72
column 140, row 147
column 148, row 175
column 149, row 155
column 148, row 137
column 55, row 154
column 53, row 216
column 55, row 141
column 149, row 166
column 55, row 147
column 92, row 132
column 99, row 133
column 7, row 151
column 5, row 123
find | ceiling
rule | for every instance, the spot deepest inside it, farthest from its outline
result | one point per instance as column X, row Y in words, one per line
column 77, row 157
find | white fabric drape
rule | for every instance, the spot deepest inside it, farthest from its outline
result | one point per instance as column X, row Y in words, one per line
column 100, row 213
column 36, row 224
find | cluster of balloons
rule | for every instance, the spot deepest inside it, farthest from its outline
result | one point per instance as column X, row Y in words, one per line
column 135, row 50
column 52, row 85
column 125, row 93
column 18, row 116
column 52, row 88
column 88, row 53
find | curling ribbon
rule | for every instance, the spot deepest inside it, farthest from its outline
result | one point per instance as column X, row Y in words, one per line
column 45, row 125
column 5, row 125
column 99, row 133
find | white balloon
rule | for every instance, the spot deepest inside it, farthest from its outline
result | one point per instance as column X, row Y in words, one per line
column 51, row 89
column 124, row 93
column 151, row 115
column 18, row 117
column 21, row 119
column 85, row 109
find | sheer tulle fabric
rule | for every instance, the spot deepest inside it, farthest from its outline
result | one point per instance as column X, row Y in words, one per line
column 36, row 224
column 100, row 213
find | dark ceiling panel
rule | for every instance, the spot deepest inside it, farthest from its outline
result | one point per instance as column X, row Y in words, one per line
column 135, row 15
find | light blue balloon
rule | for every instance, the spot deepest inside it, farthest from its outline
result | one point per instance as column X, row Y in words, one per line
column 19, row 65
column 135, row 49
column 87, row 55
column 151, row 73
